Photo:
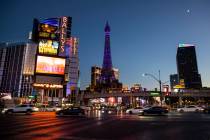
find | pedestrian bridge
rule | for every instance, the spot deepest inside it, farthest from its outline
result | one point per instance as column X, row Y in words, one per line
column 193, row 93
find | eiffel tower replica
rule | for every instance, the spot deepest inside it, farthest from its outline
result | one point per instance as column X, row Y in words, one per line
column 108, row 81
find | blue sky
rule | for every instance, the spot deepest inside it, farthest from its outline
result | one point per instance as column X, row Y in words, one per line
column 144, row 33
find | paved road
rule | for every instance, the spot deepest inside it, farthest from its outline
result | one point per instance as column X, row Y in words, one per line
column 174, row 126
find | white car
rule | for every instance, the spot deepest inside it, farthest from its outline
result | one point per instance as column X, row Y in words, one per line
column 190, row 108
column 135, row 110
column 24, row 108
column 52, row 109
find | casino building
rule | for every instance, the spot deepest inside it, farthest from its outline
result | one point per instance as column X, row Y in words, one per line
column 52, row 63
column 45, row 66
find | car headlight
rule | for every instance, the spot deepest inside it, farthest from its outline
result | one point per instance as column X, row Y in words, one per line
column 4, row 110
column 58, row 109
column 140, row 111
column 36, row 109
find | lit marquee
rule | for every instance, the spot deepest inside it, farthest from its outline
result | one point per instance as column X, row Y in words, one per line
column 73, row 44
column 47, row 85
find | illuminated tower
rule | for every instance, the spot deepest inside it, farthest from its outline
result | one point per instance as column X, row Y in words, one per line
column 108, row 79
column 107, row 74
column 107, row 62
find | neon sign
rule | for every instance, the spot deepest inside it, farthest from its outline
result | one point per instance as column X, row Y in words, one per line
column 72, row 42
column 63, row 29
column 47, row 85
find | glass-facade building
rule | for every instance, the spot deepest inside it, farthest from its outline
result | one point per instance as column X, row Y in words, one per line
column 17, row 61
column 187, row 66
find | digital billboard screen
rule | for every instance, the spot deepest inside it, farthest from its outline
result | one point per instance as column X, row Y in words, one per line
column 50, row 65
column 48, row 47
column 47, row 28
column 48, row 31
column 50, row 21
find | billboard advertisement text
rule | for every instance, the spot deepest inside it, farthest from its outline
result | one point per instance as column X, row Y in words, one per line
column 48, row 47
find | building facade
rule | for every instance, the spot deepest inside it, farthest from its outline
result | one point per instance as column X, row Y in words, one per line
column 187, row 66
column 17, row 63
column 174, row 81
column 136, row 88
column 72, row 88
column 116, row 73
column 95, row 76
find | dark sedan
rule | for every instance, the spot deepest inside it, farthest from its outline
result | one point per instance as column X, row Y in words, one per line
column 155, row 110
column 71, row 111
column 207, row 110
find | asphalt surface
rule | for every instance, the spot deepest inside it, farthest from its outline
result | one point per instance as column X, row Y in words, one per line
column 95, row 125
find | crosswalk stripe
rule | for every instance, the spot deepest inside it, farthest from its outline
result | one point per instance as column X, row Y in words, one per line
column 42, row 124
column 59, row 128
column 63, row 134
column 25, row 122
column 63, row 127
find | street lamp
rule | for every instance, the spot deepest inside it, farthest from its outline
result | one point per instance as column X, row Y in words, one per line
column 159, row 81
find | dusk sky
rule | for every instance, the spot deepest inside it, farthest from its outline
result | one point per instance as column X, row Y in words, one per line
column 144, row 33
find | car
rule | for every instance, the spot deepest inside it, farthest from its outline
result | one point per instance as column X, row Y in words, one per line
column 23, row 108
column 71, row 111
column 87, row 108
column 52, row 109
column 109, row 110
column 158, row 110
column 190, row 108
column 135, row 110
column 206, row 110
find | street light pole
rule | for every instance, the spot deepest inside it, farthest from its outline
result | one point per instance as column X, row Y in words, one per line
column 160, row 83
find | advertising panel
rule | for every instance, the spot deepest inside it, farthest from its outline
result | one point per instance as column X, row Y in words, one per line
column 48, row 47
column 50, row 65
column 48, row 32
column 47, row 28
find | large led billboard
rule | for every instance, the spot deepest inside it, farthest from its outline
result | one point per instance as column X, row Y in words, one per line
column 48, row 47
column 50, row 65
